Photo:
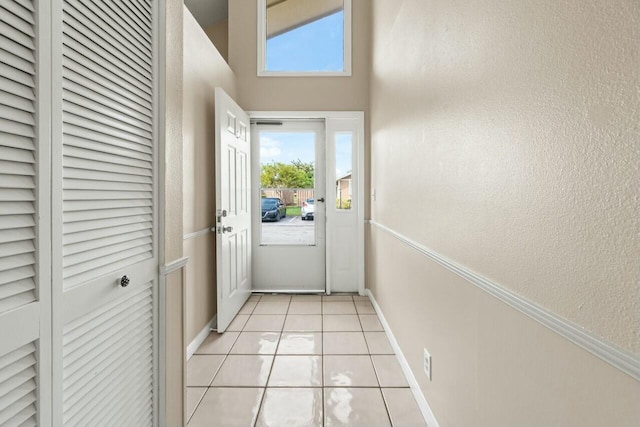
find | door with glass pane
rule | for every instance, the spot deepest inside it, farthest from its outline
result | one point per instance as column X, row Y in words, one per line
column 288, row 171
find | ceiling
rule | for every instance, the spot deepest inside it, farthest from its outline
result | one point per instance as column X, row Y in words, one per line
column 208, row 12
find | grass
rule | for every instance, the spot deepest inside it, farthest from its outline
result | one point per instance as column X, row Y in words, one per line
column 293, row 210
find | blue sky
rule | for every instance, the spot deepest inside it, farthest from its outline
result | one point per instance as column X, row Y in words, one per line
column 286, row 147
column 317, row 46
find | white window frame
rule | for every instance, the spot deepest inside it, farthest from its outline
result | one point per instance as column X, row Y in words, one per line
column 262, row 48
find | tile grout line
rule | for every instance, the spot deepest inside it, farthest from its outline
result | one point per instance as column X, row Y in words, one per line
column 197, row 404
column 322, row 392
column 304, row 386
column 265, row 386
column 375, row 371
column 273, row 361
column 218, row 369
column 287, row 314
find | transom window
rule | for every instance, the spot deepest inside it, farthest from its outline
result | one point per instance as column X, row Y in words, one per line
column 304, row 37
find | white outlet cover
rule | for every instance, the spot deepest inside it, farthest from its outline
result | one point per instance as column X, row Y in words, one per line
column 427, row 364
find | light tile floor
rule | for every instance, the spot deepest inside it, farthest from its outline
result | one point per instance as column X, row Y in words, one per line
column 302, row 360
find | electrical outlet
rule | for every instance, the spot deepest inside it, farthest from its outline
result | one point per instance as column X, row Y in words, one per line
column 427, row 364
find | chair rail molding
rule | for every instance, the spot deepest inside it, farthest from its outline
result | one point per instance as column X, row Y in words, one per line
column 619, row 358
column 174, row 266
column 199, row 233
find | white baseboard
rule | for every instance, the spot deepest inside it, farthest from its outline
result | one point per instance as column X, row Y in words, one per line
column 427, row 413
column 617, row 357
column 202, row 335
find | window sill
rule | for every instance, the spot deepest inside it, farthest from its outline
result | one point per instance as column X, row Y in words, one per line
column 304, row 73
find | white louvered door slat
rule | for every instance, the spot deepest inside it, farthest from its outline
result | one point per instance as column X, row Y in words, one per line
column 107, row 210
column 18, row 275
column 99, row 370
column 18, row 373
column 79, row 65
column 22, row 286
column 15, row 81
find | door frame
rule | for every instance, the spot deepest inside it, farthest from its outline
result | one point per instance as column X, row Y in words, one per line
column 326, row 115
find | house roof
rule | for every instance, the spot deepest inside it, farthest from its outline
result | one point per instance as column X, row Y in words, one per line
column 345, row 176
column 287, row 15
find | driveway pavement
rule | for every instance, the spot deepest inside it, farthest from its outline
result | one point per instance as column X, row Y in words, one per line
column 291, row 230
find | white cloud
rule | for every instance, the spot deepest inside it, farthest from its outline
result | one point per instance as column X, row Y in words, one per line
column 269, row 149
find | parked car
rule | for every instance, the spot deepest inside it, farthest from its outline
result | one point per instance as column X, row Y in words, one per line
column 307, row 209
column 273, row 209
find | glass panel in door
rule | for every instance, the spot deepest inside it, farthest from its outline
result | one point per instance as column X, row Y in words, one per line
column 287, row 188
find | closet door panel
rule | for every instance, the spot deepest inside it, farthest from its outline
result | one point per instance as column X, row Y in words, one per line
column 24, row 215
column 105, row 250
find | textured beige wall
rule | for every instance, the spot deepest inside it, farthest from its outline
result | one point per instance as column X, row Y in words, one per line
column 505, row 137
column 491, row 365
column 204, row 69
column 175, row 358
column 173, row 131
column 174, row 284
column 201, row 291
column 219, row 36
column 300, row 93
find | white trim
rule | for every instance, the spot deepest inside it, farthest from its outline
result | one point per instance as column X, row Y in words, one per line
column 174, row 266
column 44, row 84
column 317, row 114
column 57, row 300
column 287, row 291
column 158, row 64
column 615, row 356
column 202, row 335
column 361, row 207
column 262, row 47
column 427, row 413
column 199, row 233
column 160, row 58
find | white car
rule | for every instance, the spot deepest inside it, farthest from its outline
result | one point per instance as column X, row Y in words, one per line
column 307, row 209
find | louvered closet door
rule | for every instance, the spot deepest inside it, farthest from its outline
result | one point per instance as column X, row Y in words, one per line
column 108, row 214
column 24, row 241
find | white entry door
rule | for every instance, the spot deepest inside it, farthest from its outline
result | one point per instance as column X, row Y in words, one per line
column 105, row 216
column 233, row 208
column 289, row 215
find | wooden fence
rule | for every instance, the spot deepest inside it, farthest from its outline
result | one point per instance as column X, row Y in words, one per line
column 290, row 196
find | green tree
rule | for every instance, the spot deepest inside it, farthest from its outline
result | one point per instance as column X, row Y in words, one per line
column 282, row 175
column 308, row 169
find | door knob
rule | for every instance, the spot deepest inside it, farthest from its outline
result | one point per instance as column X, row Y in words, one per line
column 321, row 199
column 124, row 281
column 227, row 229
